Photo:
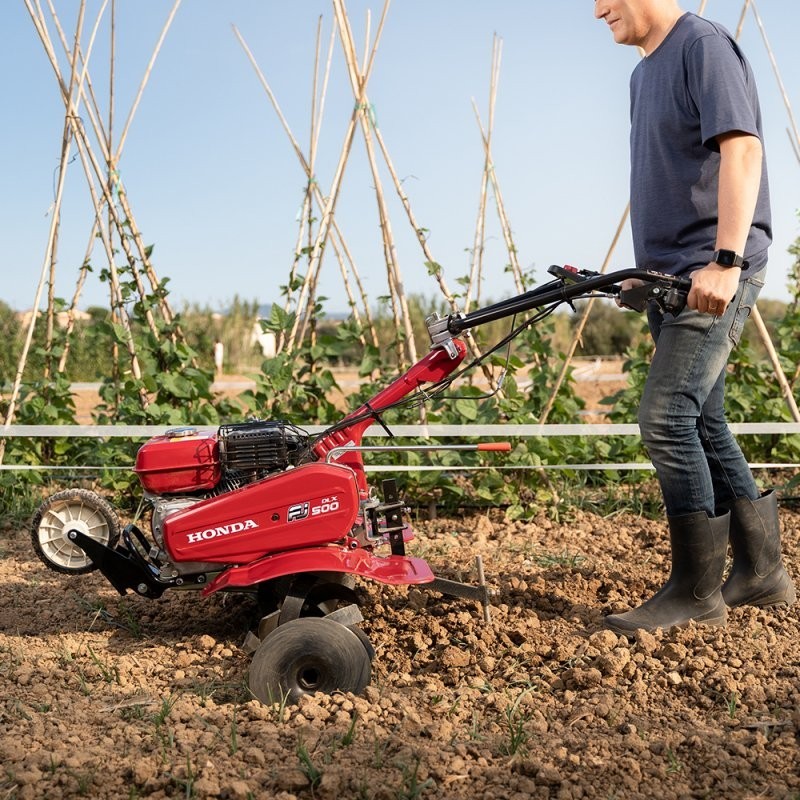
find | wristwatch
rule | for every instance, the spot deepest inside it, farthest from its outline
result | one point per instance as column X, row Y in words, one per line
column 730, row 258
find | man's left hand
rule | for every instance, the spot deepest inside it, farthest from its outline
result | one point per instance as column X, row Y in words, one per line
column 713, row 287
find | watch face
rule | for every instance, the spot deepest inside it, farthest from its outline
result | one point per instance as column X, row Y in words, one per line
column 728, row 258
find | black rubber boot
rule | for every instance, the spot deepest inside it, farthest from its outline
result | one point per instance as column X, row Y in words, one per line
column 757, row 577
column 699, row 544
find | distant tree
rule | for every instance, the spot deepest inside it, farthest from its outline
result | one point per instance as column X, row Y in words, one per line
column 10, row 335
column 610, row 331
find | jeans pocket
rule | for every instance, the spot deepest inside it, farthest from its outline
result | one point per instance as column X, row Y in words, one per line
column 747, row 295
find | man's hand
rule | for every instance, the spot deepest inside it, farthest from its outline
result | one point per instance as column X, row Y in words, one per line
column 713, row 287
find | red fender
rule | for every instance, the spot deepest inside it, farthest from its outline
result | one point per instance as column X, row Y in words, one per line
column 392, row 570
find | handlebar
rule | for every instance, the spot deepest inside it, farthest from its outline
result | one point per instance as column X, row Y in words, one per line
column 669, row 291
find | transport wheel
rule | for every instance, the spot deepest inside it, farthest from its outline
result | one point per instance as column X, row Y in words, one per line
column 72, row 509
column 307, row 655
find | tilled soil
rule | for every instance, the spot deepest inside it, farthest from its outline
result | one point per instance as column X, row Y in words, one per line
column 105, row 696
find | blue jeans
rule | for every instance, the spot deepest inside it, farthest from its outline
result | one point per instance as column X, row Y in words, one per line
column 682, row 419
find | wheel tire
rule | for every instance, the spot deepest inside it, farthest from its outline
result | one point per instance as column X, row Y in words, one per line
column 307, row 655
column 72, row 509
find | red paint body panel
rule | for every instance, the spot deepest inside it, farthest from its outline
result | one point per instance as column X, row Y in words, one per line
column 309, row 505
column 393, row 570
column 168, row 465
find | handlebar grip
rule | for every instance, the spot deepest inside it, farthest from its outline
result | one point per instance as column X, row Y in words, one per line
column 502, row 447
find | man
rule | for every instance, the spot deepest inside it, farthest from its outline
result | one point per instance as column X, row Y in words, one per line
column 699, row 207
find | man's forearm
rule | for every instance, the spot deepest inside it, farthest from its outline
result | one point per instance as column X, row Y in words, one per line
column 739, row 181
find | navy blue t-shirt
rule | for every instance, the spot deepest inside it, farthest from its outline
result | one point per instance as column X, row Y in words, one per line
column 695, row 86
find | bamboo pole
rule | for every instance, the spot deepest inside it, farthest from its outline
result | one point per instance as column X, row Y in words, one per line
column 111, row 65
column 418, row 229
column 786, row 389
column 62, row 172
column 88, row 88
column 775, row 69
column 306, row 221
column 305, row 226
column 87, row 95
column 351, row 300
column 340, row 248
column 93, row 109
column 312, row 157
column 112, row 159
column 368, row 124
column 742, row 17
column 118, row 301
column 505, row 225
column 479, row 241
column 777, row 72
column 346, row 260
column 146, row 78
column 94, row 115
column 51, row 295
column 433, row 265
column 164, row 305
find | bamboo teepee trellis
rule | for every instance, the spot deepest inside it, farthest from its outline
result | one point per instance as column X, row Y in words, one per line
column 313, row 192
column 105, row 188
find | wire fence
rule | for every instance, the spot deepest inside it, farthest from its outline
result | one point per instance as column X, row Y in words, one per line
column 435, row 432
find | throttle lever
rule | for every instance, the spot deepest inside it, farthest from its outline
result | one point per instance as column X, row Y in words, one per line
column 668, row 297
column 636, row 297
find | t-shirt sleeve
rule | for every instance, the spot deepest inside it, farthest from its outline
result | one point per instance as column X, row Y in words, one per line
column 717, row 83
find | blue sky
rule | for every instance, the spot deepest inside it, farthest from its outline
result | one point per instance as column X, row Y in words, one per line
column 215, row 186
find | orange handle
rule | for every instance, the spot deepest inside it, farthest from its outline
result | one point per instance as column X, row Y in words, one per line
column 498, row 446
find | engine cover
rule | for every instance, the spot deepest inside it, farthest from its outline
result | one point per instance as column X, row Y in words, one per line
column 182, row 460
column 309, row 505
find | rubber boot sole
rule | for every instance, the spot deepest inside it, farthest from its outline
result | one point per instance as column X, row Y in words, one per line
column 628, row 623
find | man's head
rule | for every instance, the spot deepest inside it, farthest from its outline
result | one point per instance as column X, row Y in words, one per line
column 643, row 23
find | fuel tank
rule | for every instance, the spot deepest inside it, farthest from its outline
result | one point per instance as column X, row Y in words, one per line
column 182, row 460
column 308, row 505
